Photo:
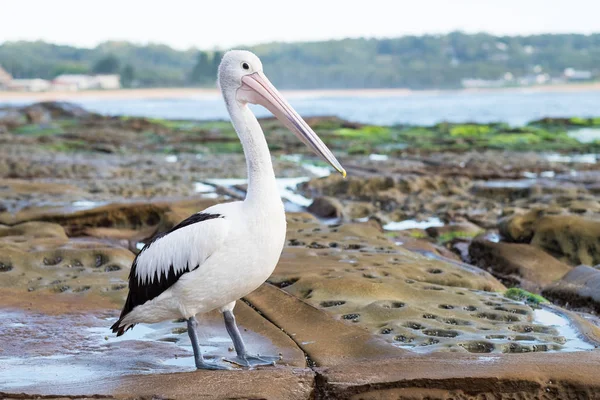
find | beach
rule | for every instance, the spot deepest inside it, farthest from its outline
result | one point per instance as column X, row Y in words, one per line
column 174, row 93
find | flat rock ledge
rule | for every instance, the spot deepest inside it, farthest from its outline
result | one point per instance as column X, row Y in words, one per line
column 353, row 315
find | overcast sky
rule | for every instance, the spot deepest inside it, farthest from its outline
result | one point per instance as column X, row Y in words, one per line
column 226, row 23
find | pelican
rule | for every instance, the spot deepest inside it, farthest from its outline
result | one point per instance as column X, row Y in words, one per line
column 219, row 255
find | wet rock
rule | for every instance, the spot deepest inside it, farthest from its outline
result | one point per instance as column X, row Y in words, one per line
column 580, row 288
column 517, row 264
column 327, row 207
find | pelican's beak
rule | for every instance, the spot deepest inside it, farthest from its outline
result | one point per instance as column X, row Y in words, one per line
column 257, row 89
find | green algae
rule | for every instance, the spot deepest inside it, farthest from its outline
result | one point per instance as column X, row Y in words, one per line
column 524, row 295
column 219, row 136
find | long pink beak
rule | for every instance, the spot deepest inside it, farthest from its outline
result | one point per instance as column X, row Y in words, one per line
column 257, row 89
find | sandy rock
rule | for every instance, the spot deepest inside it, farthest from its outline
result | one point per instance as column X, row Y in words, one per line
column 579, row 288
column 40, row 256
column 573, row 237
column 327, row 207
column 520, row 227
column 518, row 264
column 355, row 210
column 422, row 302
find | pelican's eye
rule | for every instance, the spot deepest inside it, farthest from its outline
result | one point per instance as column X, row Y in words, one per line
column 245, row 66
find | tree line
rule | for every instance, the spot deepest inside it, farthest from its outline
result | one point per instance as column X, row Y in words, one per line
column 418, row 62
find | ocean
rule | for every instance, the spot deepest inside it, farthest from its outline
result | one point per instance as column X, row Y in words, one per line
column 513, row 107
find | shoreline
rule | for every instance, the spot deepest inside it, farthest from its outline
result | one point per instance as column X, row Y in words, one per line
column 174, row 93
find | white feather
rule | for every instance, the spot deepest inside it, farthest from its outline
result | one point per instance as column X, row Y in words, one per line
column 184, row 248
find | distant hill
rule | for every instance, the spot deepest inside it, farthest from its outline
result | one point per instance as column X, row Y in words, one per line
column 417, row 62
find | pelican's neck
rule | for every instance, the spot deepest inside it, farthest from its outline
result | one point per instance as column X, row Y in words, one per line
column 262, row 186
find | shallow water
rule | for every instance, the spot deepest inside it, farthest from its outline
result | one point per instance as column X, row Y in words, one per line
column 546, row 316
column 574, row 341
column 586, row 135
column 574, row 158
column 293, row 201
column 81, row 349
column 413, row 224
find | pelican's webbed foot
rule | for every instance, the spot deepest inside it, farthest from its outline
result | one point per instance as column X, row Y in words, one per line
column 250, row 360
column 243, row 358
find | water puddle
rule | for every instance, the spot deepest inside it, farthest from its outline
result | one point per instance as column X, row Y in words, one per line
column 543, row 174
column 378, row 157
column 574, row 340
column 317, row 170
column 87, row 204
column 549, row 331
column 413, row 224
column 293, row 201
column 573, row 158
column 508, row 184
column 80, row 349
column 585, row 135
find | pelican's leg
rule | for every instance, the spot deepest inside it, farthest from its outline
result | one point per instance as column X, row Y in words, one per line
column 192, row 324
column 243, row 358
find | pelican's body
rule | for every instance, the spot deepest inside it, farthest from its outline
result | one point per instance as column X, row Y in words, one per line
column 246, row 242
column 223, row 253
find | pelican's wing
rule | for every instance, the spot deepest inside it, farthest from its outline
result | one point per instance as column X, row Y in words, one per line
column 167, row 256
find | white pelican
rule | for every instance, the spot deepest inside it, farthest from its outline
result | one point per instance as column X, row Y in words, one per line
column 219, row 255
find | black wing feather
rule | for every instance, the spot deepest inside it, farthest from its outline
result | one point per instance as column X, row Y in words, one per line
column 140, row 293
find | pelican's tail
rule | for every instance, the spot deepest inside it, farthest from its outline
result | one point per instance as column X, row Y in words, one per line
column 120, row 328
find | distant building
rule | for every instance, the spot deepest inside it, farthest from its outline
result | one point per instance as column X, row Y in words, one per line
column 108, row 81
column 475, row 83
column 572, row 74
column 29, row 85
column 71, row 82
column 85, row 82
column 5, row 78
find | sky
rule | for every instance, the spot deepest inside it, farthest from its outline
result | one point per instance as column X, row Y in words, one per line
column 225, row 23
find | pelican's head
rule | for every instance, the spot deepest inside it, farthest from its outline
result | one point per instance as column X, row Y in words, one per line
column 241, row 73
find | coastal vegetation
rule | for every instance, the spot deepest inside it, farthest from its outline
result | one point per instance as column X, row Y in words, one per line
column 417, row 62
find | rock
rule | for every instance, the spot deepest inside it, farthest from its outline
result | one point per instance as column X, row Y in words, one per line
column 423, row 302
column 518, row 189
column 36, row 114
column 40, row 256
column 354, row 210
column 518, row 264
column 466, row 377
column 451, row 231
column 63, row 109
column 580, row 288
column 11, row 118
column 570, row 236
column 327, row 207
column 519, row 227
